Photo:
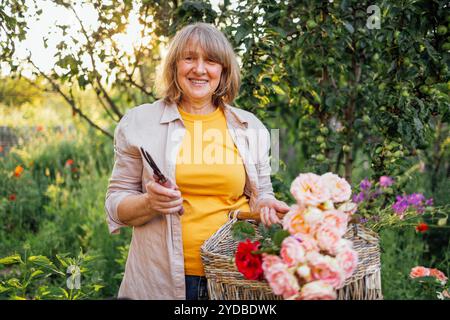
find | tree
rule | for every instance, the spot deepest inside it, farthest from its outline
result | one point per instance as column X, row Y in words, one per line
column 12, row 26
column 119, row 79
column 340, row 86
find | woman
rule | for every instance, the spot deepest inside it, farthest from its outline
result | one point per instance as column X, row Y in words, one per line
column 202, row 145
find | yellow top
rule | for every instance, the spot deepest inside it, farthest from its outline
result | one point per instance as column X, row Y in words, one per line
column 211, row 178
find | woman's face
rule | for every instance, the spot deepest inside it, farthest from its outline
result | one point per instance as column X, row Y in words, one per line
column 198, row 76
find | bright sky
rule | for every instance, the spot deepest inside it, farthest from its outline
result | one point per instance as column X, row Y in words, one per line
column 53, row 15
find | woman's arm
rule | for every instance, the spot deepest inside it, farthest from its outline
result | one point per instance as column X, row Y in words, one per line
column 267, row 204
column 126, row 203
column 136, row 210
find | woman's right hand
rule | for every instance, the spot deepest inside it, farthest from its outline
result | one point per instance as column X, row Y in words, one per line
column 161, row 199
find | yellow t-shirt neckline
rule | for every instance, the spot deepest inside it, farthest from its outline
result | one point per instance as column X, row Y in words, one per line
column 203, row 117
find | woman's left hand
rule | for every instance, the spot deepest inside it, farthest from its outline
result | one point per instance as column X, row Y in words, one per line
column 268, row 209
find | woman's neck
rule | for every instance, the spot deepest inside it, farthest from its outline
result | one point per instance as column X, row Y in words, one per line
column 197, row 107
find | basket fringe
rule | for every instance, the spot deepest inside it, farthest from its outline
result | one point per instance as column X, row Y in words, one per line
column 366, row 288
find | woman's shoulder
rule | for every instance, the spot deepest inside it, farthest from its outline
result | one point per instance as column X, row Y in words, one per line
column 147, row 111
column 143, row 119
column 247, row 116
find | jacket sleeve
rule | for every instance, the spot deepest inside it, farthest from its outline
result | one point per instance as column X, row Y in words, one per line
column 263, row 168
column 126, row 177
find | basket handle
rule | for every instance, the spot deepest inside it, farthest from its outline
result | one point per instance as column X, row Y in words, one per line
column 243, row 215
column 248, row 215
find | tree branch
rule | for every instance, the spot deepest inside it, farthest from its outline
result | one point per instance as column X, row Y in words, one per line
column 70, row 101
column 111, row 103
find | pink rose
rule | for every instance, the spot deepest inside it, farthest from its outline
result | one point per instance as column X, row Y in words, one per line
column 419, row 271
column 327, row 269
column 309, row 190
column 439, row 275
column 304, row 272
column 294, row 221
column 343, row 245
column 328, row 238
column 348, row 261
column 292, row 252
column 278, row 276
column 313, row 216
column 308, row 243
column 340, row 190
column 446, row 294
column 317, row 290
column 348, row 207
column 336, row 219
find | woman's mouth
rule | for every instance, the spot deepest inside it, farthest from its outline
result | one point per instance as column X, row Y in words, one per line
column 198, row 82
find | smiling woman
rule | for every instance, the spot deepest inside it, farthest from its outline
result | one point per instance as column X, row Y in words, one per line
column 202, row 53
column 200, row 79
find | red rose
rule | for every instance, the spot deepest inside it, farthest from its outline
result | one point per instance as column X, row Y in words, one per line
column 249, row 264
column 422, row 227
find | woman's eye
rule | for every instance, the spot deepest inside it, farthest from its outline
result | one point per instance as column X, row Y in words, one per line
column 188, row 58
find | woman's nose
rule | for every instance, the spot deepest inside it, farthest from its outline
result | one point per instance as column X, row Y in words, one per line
column 200, row 66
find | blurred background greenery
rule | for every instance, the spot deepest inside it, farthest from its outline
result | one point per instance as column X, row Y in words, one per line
column 347, row 96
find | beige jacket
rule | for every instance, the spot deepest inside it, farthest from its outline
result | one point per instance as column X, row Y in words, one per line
column 155, row 265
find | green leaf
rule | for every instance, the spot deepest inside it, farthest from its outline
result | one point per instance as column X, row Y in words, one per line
column 11, row 259
column 41, row 260
column 97, row 287
column 14, row 282
column 242, row 230
column 62, row 261
column 3, row 289
column 278, row 90
column 241, row 33
column 442, row 221
column 349, row 27
column 263, row 231
column 279, row 236
column 36, row 274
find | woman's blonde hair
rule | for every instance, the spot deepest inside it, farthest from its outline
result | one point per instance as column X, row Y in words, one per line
column 216, row 48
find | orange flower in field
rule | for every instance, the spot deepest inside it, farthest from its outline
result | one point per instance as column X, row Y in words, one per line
column 419, row 272
column 439, row 275
column 1, row 149
column 12, row 197
column 18, row 171
column 39, row 128
column 422, row 227
column 69, row 162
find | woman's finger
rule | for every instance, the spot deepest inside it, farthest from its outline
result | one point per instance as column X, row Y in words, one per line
column 273, row 216
column 261, row 215
column 169, row 204
column 160, row 190
column 160, row 198
column 266, row 216
column 171, row 210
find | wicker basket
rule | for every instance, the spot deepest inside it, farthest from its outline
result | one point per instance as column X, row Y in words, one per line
column 225, row 282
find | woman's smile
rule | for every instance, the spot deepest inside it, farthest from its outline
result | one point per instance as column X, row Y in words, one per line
column 198, row 76
column 198, row 82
